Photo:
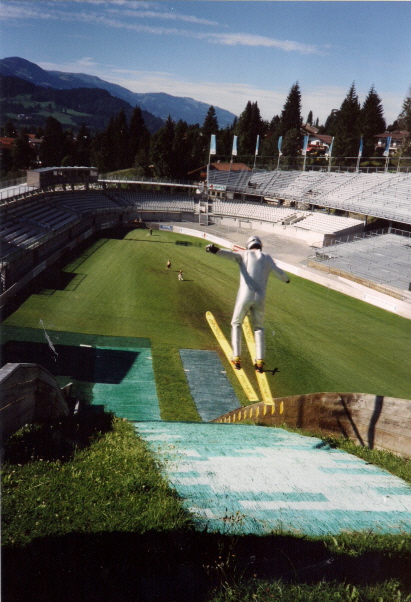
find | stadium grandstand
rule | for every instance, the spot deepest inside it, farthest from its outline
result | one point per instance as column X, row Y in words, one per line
column 329, row 211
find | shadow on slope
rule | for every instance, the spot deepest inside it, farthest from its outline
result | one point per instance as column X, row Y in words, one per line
column 174, row 566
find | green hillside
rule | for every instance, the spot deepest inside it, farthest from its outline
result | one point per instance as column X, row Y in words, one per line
column 318, row 339
column 23, row 101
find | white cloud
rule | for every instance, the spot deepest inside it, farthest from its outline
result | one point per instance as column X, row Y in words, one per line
column 167, row 16
column 244, row 39
column 72, row 67
column 234, row 96
column 126, row 20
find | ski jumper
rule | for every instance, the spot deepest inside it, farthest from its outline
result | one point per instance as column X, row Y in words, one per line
column 255, row 267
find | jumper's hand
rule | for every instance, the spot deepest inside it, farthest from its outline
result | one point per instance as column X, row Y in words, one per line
column 212, row 249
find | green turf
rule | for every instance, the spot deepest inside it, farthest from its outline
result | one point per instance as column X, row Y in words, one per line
column 319, row 340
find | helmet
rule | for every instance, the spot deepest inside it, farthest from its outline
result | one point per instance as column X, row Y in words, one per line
column 254, row 242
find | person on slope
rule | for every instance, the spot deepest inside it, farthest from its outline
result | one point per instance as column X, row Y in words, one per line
column 255, row 267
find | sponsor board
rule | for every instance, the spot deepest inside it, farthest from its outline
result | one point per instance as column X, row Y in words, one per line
column 217, row 187
column 380, row 303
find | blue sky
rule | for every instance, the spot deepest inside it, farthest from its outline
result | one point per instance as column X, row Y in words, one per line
column 223, row 52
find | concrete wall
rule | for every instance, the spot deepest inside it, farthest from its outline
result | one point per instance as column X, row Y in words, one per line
column 28, row 393
column 369, row 420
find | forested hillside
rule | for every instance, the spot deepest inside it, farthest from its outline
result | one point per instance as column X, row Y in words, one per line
column 90, row 106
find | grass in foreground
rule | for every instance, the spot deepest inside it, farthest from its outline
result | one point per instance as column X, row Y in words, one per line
column 113, row 484
column 277, row 591
column 101, row 520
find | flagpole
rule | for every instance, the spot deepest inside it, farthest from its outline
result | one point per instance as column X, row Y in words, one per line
column 386, row 163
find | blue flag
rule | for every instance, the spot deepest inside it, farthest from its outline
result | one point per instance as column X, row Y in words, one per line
column 360, row 149
column 280, row 142
column 234, row 151
column 213, row 145
column 330, row 149
column 387, row 147
column 305, row 145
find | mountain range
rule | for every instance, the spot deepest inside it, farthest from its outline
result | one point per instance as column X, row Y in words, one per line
column 159, row 104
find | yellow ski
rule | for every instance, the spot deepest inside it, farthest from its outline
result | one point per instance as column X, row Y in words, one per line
column 261, row 378
column 226, row 347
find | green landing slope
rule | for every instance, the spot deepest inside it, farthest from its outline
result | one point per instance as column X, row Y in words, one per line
column 319, row 340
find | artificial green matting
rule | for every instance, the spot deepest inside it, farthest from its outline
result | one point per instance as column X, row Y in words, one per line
column 115, row 372
column 211, row 390
column 241, row 479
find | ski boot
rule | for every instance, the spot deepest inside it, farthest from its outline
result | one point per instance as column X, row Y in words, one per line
column 236, row 361
column 259, row 366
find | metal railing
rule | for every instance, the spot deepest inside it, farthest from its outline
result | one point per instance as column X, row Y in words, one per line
column 13, row 182
column 115, row 178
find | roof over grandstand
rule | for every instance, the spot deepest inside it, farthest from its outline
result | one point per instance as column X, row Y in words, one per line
column 67, row 168
column 220, row 166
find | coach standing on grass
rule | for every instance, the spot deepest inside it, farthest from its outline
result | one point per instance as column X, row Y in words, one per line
column 255, row 267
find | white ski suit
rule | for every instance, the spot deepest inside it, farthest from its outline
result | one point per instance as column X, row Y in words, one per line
column 255, row 267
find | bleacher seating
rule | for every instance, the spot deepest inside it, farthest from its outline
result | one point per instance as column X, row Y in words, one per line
column 328, row 224
column 85, row 201
column 254, row 211
column 155, row 201
column 385, row 259
column 386, row 195
column 28, row 221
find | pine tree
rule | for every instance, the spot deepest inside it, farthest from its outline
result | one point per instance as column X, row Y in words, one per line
column 330, row 126
column 209, row 128
column 404, row 123
column 121, row 141
column 291, row 147
column 347, row 127
column 310, row 118
column 83, row 146
column 139, row 135
column 372, row 121
column 225, row 139
column 161, row 150
column 269, row 144
column 181, row 152
column 52, row 148
column 291, row 113
column 69, row 156
column 249, row 126
column 101, row 155
column 9, row 130
column 21, row 152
